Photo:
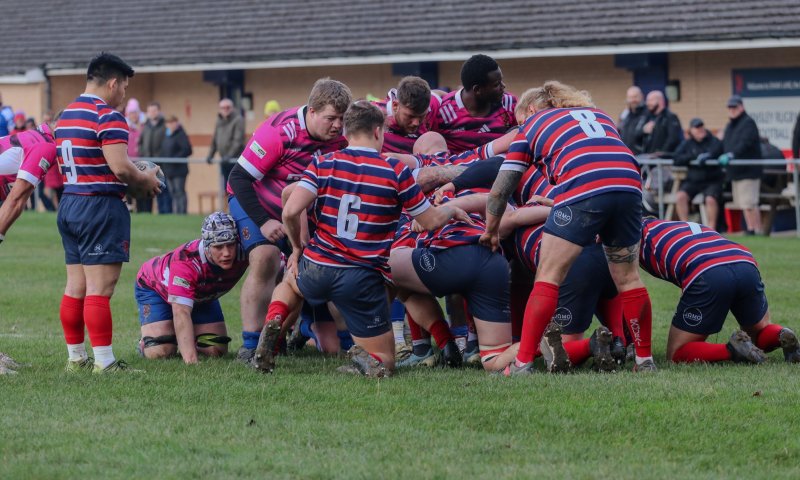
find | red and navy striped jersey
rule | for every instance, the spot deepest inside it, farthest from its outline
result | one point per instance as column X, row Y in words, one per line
column 360, row 196
column 680, row 251
column 580, row 151
column 464, row 158
column 455, row 233
column 405, row 237
column 533, row 182
column 464, row 131
column 85, row 126
column 395, row 139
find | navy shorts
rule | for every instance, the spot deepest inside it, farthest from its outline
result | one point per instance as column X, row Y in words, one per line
column 358, row 293
column 249, row 233
column 615, row 216
column 473, row 271
column 153, row 308
column 95, row 230
column 736, row 287
column 587, row 282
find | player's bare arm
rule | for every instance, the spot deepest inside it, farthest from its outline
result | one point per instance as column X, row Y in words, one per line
column 14, row 205
column 504, row 185
column 139, row 182
column 298, row 202
column 184, row 332
column 436, row 217
column 430, row 178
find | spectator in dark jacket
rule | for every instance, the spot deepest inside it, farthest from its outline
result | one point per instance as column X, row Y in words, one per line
column 700, row 178
column 741, row 141
column 176, row 145
column 796, row 138
column 228, row 139
column 663, row 131
column 631, row 125
column 150, row 140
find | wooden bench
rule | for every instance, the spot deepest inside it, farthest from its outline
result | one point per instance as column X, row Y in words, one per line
column 201, row 197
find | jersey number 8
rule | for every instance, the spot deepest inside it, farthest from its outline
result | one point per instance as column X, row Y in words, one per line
column 588, row 123
column 347, row 223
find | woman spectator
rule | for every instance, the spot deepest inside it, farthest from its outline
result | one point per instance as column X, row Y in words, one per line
column 176, row 145
column 134, row 116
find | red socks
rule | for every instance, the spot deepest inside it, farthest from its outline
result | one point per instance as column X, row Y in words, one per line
column 638, row 314
column 417, row 332
column 611, row 311
column 97, row 315
column 769, row 337
column 441, row 333
column 701, row 352
column 71, row 314
column 578, row 351
column 277, row 310
column 539, row 311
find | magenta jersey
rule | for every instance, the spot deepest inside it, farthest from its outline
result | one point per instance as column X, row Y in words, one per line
column 85, row 126
column 277, row 154
column 360, row 196
column 579, row 150
column 465, row 132
column 680, row 251
column 395, row 139
column 26, row 155
column 185, row 276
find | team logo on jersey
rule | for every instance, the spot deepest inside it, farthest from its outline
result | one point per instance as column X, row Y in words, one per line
column 181, row 282
column 427, row 261
column 44, row 164
column 562, row 317
column 692, row 316
column 246, row 233
column 256, row 148
column 562, row 216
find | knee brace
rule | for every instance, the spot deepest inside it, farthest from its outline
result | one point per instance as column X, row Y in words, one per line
column 490, row 352
column 162, row 340
column 205, row 340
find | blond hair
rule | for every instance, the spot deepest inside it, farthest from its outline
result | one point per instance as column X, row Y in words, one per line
column 524, row 102
column 554, row 94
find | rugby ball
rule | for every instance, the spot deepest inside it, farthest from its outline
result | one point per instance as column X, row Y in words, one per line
column 148, row 165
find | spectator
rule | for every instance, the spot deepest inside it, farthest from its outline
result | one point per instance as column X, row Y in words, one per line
column 6, row 118
column 150, row 141
column 796, row 138
column 133, row 114
column 633, row 119
column 741, row 141
column 228, row 139
column 700, row 178
column 19, row 122
column 30, row 123
column 663, row 132
column 176, row 145
column 271, row 108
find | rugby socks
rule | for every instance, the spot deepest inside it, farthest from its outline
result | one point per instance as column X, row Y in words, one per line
column 460, row 335
column 611, row 311
column 277, row 311
column 769, row 337
column 701, row 352
column 97, row 315
column 520, row 291
column 398, row 313
column 71, row 314
column 420, row 339
column 578, row 351
column 441, row 333
column 250, row 339
column 637, row 311
column 540, row 309
column 103, row 356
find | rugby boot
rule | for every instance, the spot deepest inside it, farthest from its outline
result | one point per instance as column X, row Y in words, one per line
column 512, row 370
column 472, row 357
column 119, row 366
column 401, row 352
column 7, row 371
column 297, row 341
column 75, row 366
column 645, row 366
column 618, row 351
column 790, row 345
column 630, row 353
column 8, row 362
column 743, row 350
column 264, row 355
column 413, row 360
column 450, row 356
column 245, row 355
column 553, row 353
column 368, row 365
column 600, row 346
column 349, row 369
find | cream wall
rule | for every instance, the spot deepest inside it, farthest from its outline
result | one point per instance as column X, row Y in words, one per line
column 29, row 98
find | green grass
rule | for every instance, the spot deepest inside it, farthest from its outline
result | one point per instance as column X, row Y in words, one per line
column 219, row 419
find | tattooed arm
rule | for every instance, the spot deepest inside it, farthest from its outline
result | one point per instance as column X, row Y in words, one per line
column 504, row 186
column 430, row 178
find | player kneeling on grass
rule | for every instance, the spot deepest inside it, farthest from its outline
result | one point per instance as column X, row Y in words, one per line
column 358, row 197
column 716, row 276
column 178, row 293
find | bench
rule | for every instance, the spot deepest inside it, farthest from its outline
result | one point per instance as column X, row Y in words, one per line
column 201, row 197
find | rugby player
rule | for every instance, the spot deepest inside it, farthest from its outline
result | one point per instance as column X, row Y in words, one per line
column 411, row 109
column 716, row 276
column 357, row 196
column 25, row 158
column 598, row 191
column 94, row 223
column 279, row 151
column 480, row 111
column 178, row 293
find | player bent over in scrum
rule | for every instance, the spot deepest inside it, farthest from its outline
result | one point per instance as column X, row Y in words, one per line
column 358, row 197
column 716, row 276
column 178, row 293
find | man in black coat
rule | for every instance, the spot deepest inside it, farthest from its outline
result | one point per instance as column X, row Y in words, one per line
column 631, row 125
column 700, row 178
column 663, row 131
column 741, row 141
column 176, row 145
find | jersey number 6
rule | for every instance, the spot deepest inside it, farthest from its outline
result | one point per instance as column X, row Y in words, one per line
column 347, row 223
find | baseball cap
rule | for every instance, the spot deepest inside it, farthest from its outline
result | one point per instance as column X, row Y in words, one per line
column 734, row 101
column 696, row 122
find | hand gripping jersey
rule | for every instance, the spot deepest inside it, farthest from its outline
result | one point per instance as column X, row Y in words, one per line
column 360, row 196
column 277, row 154
column 580, row 152
column 464, row 158
column 680, row 251
column 464, row 132
column 396, row 140
column 85, row 126
column 185, row 276
column 27, row 155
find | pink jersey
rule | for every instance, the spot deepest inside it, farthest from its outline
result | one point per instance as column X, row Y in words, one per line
column 279, row 152
column 27, row 155
column 396, row 140
column 185, row 276
column 464, row 132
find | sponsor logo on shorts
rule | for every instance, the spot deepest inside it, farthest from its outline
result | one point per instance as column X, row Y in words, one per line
column 181, row 282
column 562, row 216
column 146, row 311
column 692, row 316
column 256, row 148
column 562, row 317
column 427, row 262
column 98, row 250
column 246, row 233
column 126, row 246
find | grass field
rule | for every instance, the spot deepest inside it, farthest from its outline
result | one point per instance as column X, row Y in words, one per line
column 220, row 420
